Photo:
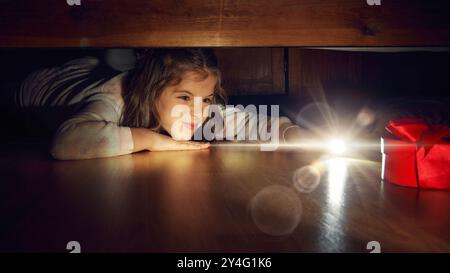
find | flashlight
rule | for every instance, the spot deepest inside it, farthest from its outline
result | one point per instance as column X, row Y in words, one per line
column 337, row 146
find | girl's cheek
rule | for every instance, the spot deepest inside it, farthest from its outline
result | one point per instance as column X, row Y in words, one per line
column 166, row 118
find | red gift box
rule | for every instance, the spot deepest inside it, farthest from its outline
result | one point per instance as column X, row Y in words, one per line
column 416, row 154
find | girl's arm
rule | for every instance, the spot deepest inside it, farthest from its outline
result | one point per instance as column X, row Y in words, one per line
column 292, row 133
column 145, row 139
column 241, row 121
column 78, row 138
column 94, row 132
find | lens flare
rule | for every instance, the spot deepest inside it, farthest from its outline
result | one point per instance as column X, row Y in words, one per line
column 337, row 146
column 276, row 210
column 319, row 118
column 306, row 179
column 365, row 117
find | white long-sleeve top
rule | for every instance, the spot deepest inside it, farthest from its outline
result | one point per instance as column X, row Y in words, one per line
column 82, row 102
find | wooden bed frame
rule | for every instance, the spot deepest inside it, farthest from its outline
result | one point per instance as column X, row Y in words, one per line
column 143, row 23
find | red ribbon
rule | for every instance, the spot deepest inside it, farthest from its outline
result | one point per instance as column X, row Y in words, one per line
column 419, row 132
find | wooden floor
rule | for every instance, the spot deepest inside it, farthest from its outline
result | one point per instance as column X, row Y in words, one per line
column 223, row 199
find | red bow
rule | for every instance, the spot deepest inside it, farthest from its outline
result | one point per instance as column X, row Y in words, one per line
column 419, row 132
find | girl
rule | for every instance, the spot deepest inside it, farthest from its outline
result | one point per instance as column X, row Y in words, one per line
column 96, row 111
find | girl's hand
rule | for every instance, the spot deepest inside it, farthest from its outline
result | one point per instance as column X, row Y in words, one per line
column 166, row 143
column 145, row 139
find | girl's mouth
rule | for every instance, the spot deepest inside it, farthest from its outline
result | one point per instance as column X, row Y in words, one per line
column 191, row 126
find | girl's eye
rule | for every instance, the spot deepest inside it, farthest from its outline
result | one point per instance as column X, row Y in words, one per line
column 185, row 98
column 208, row 101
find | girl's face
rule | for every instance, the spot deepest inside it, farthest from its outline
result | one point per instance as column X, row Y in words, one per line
column 181, row 124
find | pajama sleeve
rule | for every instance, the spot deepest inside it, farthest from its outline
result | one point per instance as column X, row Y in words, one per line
column 246, row 124
column 93, row 132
